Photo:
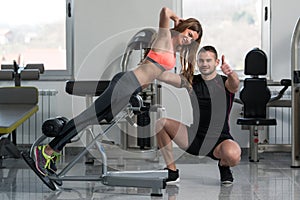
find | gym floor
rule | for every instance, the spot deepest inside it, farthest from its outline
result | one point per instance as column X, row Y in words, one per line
column 270, row 178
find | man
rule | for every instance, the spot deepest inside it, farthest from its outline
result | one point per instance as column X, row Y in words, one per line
column 211, row 97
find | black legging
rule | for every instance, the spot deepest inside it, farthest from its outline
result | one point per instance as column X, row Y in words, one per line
column 109, row 103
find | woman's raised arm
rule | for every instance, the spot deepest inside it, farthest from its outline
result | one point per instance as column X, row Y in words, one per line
column 166, row 14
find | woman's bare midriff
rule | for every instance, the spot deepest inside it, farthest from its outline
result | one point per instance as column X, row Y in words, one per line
column 146, row 73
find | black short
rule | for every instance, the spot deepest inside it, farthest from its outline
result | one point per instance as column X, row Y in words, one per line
column 196, row 146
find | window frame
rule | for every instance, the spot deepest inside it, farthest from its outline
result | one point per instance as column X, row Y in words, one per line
column 68, row 72
column 240, row 72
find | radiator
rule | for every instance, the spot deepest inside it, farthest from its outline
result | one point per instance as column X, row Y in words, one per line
column 281, row 133
column 30, row 130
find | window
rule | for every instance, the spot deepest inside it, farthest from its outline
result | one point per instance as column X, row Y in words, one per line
column 232, row 26
column 34, row 31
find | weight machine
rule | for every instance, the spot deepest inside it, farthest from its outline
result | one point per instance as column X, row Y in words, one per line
column 154, row 179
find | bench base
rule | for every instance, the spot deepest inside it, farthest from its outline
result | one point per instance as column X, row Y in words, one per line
column 8, row 149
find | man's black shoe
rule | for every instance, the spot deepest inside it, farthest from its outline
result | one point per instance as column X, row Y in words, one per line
column 225, row 174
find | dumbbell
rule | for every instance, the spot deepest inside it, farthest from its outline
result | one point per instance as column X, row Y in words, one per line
column 53, row 126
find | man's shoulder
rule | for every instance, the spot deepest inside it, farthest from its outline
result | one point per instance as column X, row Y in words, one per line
column 223, row 77
column 197, row 77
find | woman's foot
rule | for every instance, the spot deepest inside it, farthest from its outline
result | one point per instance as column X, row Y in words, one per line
column 43, row 162
column 173, row 177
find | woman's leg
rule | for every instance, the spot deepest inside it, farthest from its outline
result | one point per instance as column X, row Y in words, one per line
column 92, row 115
column 168, row 130
column 113, row 100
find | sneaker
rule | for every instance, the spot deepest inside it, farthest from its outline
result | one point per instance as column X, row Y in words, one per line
column 225, row 174
column 42, row 160
column 52, row 168
column 173, row 177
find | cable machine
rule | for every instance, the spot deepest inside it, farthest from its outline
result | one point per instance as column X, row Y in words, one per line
column 295, row 64
column 140, row 138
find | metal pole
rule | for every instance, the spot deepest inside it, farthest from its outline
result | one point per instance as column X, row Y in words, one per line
column 295, row 67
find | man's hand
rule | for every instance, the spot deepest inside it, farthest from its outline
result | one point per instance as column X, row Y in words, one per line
column 232, row 82
column 226, row 69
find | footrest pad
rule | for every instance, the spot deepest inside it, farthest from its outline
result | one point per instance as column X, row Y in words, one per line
column 30, row 162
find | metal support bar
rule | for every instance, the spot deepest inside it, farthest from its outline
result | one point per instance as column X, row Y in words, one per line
column 253, row 151
column 88, row 147
column 295, row 64
column 89, row 131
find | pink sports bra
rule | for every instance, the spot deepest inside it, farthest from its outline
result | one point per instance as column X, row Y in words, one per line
column 164, row 60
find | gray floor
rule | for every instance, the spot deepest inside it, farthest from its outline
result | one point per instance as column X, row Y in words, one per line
column 271, row 178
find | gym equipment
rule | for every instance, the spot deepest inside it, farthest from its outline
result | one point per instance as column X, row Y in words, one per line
column 88, row 89
column 154, row 179
column 142, row 40
column 17, row 103
column 142, row 140
column 53, row 126
column 17, row 73
column 295, row 96
column 255, row 95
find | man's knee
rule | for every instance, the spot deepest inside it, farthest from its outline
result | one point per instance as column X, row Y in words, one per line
column 230, row 153
column 234, row 158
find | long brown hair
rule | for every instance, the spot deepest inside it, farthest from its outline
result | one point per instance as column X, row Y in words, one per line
column 188, row 53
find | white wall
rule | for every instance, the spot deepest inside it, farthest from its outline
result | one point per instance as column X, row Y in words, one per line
column 279, row 27
column 102, row 30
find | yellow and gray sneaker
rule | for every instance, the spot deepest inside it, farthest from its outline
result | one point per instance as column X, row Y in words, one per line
column 52, row 168
column 43, row 162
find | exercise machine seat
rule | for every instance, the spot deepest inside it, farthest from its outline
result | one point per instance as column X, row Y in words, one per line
column 17, row 104
column 255, row 95
column 86, row 88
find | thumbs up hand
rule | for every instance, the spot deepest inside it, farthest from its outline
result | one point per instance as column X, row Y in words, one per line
column 226, row 69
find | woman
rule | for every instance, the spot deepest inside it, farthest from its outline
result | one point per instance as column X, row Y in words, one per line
column 184, row 38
